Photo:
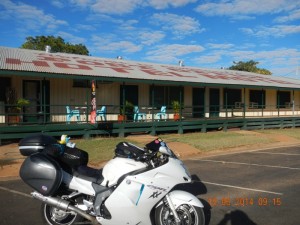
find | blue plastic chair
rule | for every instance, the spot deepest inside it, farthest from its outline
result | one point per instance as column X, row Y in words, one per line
column 137, row 115
column 162, row 114
column 102, row 113
column 71, row 113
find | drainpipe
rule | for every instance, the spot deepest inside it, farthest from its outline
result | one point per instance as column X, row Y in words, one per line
column 262, row 102
column 226, row 110
column 153, row 132
column 87, row 101
column 180, row 130
column 123, row 100
column 278, row 101
column 244, row 106
column 180, row 102
column 204, row 103
column 44, row 100
column 152, row 103
column 293, row 102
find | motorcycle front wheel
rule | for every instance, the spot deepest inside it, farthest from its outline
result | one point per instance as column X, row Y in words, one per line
column 55, row 216
column 188, row 215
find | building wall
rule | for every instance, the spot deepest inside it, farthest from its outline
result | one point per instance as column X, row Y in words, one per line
column 62, row 93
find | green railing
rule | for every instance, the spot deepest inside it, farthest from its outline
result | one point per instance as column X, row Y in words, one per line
column 54, row 114
column 52, row 121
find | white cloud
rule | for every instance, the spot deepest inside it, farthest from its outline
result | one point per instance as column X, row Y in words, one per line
column 294, row 15
column 82, row 4
column 208, row 59
column 71, row 38
column 119, row 46
column 172, row 53
column 180, row 26
column 84, row 27
column 220, row 46
column 151, row 37
column 277, row 60
column 127, row 25
column 274, row 31
column 119, row 7
column 283, row 57
column 246, row 7
column 162, row 4
column 57, row 3
column 115, row 6
column 29, row 17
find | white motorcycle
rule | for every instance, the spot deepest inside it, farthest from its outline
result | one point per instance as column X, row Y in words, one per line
column 135, row 187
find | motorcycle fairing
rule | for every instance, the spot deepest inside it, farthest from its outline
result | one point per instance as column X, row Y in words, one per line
column 78, row 184
column 117, row 167
column 182, row 197
column 137, row 194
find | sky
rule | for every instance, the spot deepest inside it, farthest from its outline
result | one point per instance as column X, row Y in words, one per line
column 201, row 33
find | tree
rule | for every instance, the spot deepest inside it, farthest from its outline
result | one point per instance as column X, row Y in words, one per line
column 57, row 45
column 249, row 66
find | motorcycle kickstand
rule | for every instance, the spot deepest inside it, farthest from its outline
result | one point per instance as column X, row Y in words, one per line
column 177, row 220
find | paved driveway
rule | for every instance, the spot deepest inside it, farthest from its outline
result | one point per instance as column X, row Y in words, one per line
column 258, row 187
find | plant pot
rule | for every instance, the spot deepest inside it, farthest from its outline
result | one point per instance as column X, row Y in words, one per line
column 176, row 117
column 121, row 118
column 13, row 119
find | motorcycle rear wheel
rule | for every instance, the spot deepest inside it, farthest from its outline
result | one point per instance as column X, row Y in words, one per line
column 55, row 216
column 188, row 214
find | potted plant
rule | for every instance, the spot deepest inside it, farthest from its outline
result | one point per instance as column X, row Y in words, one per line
column 126, row 112
column 16, row 109
column 15, row 106
column 21, row 102
column 176, row 109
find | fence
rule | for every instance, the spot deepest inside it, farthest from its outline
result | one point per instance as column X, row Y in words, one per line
column 55, row 114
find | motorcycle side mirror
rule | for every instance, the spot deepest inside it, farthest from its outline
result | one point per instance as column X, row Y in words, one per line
column 165, row 150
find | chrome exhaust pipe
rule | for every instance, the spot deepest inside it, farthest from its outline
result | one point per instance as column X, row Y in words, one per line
column 64, row 205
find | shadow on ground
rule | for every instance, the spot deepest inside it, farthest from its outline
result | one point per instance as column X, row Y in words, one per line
column 236, row 217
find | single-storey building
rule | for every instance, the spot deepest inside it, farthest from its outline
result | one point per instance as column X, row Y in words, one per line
column 57, row 82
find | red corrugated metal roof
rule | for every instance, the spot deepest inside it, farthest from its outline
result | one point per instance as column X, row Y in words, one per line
column 16, row 59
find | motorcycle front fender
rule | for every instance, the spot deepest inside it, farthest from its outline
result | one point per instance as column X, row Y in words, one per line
column 182, row 197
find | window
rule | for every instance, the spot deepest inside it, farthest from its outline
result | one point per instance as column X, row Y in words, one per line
column 231, row 96
column 283, row 99
column 81, row 83
column 164, row 95
column 257, row 99
column 131, row 94
column 87, row 83
column 5, row 83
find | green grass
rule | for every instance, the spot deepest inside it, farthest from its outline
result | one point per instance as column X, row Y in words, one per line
column 293, row 132
column 102, row 149
column 217, row 140
column 99, row 149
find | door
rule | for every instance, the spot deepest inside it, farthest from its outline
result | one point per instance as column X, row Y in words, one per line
column 31, row 92
column 44, row 113
column 38, row 93
column 214, row 102
column 198, row 102
column 130, row 94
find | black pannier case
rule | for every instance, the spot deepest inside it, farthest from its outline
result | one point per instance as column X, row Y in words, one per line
column 42, row 173
column 35, row 143
column 74, row 157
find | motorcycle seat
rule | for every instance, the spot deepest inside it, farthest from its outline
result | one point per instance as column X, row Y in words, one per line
column 89, row 173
